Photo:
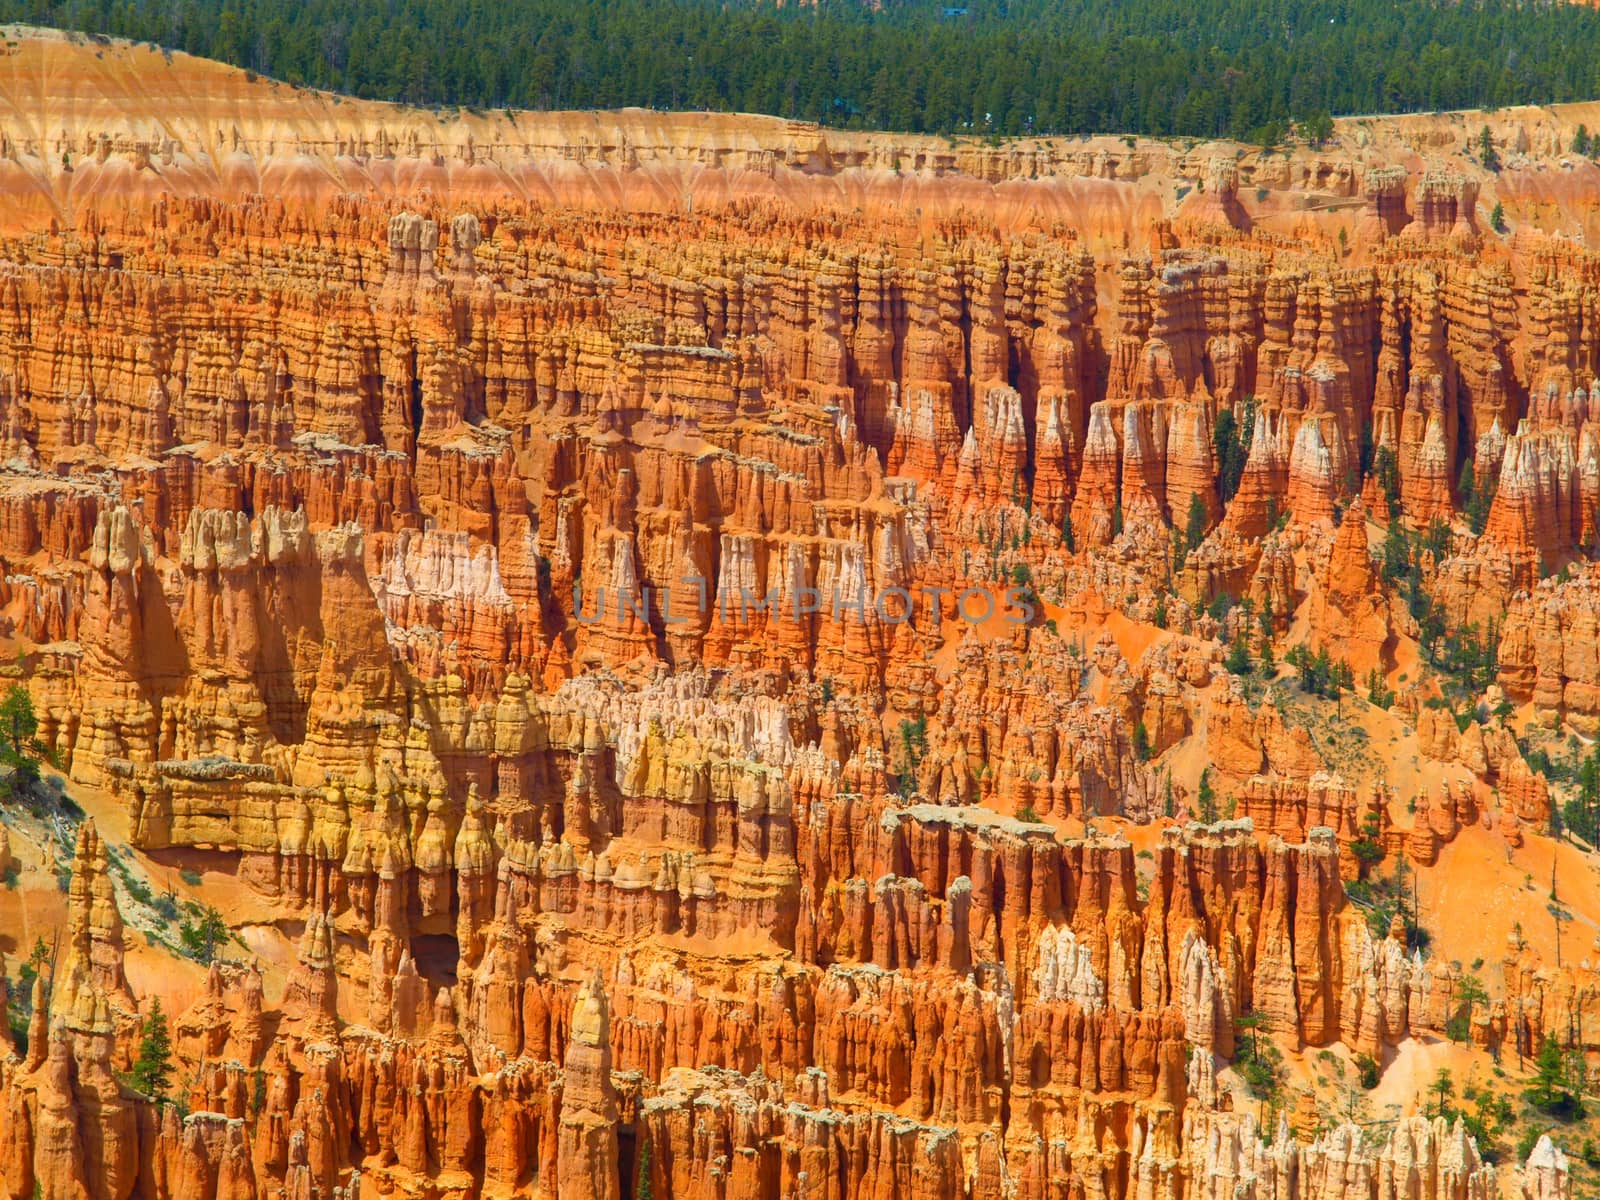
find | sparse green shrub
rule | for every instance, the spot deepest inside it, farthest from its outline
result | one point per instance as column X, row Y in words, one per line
column 1367, row 1071
column 203, row 934
column 1550, row 1091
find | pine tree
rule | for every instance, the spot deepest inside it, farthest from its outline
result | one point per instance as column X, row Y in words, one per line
column 1268, row 663
column 1252, row 1023
column 1317, row 128
column 643, row 1188
column 1387, row 466
column 1477, row 504
column 204, row 936
column 1001, row 69
column 1549, row 1088
column 1205, row 805
column 19, row 729
column 1588, row 799
column 1238, row 659
column 1194, row 530
column 1465, row 483
column 17, row 719
column 1378, row 693
column 1230, row 440
column 1445, row 1089
column 1486, row 151
column 1368, row 847
column 152, row 1070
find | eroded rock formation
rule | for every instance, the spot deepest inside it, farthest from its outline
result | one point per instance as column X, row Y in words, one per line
column 682, row 658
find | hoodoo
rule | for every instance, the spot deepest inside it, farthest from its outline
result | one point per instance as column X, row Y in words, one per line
column 640, row 654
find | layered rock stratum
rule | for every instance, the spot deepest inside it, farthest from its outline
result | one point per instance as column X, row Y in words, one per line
column 690, row 651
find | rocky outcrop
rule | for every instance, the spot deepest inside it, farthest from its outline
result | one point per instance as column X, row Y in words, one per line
column 587, row 1155
column 1349, row 611
column 75, row 1129
column 1549, row 651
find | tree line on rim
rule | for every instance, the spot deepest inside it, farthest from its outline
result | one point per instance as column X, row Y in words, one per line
column 1250, row 69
